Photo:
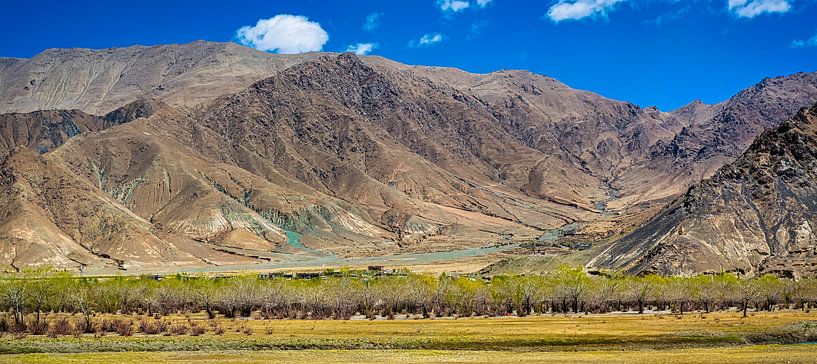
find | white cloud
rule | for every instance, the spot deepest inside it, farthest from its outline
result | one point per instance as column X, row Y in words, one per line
column 807, row 43
column 453, row 5
column 287, row 34
column 753, row 8
column 361, row 49
column 427, row 40
column 483, row 3
column 372, row 21
column 579, row 9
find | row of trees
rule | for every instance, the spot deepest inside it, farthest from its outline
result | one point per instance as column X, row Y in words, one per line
column 341, row 296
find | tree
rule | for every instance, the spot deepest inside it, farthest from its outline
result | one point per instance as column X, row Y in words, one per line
column 573, row 283
column 14, row 293
column 607, row 291
column 39, row 289
column 82, row 299
column 680, row 291
column 769, row 289
column 745, row 291
column 709, row 289
column 639, row 290
column 204, row 292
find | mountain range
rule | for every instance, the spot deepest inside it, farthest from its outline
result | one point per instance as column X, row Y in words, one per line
column 213, row 154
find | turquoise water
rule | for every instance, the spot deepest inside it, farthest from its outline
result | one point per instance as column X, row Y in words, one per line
column 317, row 258
column 556, row 234
column 294, row 240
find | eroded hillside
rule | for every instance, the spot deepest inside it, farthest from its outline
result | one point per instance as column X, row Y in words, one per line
column 211, row 154
column 755, row 215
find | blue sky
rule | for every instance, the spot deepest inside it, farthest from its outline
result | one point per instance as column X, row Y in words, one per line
column 650, row 52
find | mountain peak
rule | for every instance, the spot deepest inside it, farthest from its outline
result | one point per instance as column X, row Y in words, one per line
column 753, row 216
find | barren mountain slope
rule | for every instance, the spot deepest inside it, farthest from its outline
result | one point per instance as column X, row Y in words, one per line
column 705, row 144
column 150, row 167
column 598, row 137
column 379, row 139
column 336, row 154
column 42, row 131
column 48, row 215
column 98, row 81
column 601, row 135
column 755, row 215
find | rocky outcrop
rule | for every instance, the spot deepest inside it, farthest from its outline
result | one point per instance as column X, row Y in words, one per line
column 43, row 131
column 755, row 215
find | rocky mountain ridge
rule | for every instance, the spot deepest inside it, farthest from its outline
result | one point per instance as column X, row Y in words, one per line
column 243, row 157
column 754, row 216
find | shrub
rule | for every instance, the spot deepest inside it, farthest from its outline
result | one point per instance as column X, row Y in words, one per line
column 153, row 327
column 124, row 328
column 108, row 325
column 218, row 330
column 60, row 327
column 83, row 325
column 178, row 329
column 37, row 328
column 196, row 330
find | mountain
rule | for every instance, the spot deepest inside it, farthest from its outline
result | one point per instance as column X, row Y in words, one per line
column 227, row 155
column 49, row 215
column 99, row 81
column 717, row 134
column 43, row 131
column 755, row 215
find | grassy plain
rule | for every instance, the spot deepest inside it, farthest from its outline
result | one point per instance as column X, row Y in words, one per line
column 744, row 354
column 718, row 337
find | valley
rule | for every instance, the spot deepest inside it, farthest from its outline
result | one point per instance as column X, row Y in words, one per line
column 321, row 161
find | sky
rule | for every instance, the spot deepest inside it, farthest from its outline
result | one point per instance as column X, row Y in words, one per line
column 665, row 53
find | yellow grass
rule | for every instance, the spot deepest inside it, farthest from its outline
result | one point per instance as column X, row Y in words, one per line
column 532, row 327
column 717, row 337
column 744, row 354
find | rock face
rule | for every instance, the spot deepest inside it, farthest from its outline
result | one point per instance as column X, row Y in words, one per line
column 226, row 155
column 755, row 215
column 717, row 134
column 43, row 131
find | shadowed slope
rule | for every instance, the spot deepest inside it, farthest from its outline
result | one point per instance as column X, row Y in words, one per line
column 754, row 215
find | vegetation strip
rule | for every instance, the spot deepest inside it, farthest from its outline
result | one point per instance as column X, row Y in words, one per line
column 49, row 311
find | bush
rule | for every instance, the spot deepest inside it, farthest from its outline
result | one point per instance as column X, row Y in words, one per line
column 124, row 328
column 37, row 328
column 178, row 329
column 218, row 330
column 153, row 327
column 108, row 325
column 17, row 328
column 196, row 330
column 60, row 327
column 83, row 325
